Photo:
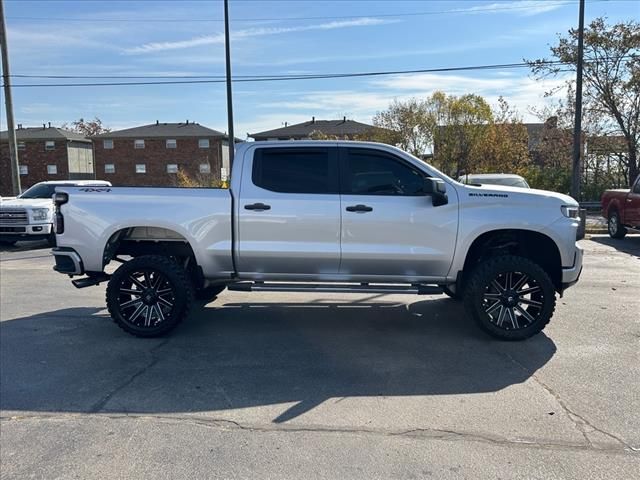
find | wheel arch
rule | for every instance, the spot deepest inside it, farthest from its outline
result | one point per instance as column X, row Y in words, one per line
column 536, row 246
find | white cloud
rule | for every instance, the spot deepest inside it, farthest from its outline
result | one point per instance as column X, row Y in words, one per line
column 522, row 7
column 253, row 32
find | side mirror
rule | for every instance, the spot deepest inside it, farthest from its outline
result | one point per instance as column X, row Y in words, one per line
column 437, row 190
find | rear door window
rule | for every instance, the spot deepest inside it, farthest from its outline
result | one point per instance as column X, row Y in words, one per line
column 296, row 170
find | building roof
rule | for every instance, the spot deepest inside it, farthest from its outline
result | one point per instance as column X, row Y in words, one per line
column 164, row 130
column 342, row 127
column 45, row 133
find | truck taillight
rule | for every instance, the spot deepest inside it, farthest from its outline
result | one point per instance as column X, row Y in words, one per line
column 59, row 199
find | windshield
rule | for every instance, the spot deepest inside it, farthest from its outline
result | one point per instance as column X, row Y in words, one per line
column 40, row 190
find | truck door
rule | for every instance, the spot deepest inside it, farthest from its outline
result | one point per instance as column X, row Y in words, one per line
column 632, row 205
column 289, row 212
column 389, row 226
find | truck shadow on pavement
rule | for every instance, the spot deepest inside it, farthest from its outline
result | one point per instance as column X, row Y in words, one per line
column 239, row 355
column 630, row 244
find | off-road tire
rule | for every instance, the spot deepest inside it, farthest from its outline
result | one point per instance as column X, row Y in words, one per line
column 614, row 227
column 509, row 268
column 167, row 275
column 210, row 293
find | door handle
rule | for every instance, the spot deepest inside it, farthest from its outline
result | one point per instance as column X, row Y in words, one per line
column 257, row 206
column 359, row 208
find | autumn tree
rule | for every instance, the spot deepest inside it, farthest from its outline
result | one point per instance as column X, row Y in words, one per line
column 88, row 128
column 408, row 124
column 611, row 78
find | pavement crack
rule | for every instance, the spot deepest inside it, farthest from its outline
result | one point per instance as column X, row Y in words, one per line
column 100, row 404
column 582, row 424
column 416, row 433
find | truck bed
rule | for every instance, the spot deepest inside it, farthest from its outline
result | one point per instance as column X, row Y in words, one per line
column 200, row 216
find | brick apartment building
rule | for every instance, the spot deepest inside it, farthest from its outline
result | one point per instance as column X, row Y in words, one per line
column 152, row 155
column 45, row 153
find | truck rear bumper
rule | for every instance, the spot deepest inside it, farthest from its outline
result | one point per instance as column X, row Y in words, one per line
column 67, row 261
column 570, row 275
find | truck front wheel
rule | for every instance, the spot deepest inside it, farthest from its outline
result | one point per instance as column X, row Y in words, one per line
column 149, row 295
column 510, row 297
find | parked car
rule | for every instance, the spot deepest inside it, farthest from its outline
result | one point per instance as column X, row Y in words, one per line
column 507, row 179
column 621, row 208
column 29, row 216
column 314, row 216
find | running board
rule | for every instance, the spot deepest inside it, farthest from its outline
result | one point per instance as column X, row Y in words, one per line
column 334, row 288
column 90, row 281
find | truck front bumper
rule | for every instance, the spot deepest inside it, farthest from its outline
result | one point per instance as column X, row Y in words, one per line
column 15, row 233
column 570, row 275
column 67, row 261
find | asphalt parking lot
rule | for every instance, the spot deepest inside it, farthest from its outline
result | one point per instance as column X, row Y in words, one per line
column 323, row 386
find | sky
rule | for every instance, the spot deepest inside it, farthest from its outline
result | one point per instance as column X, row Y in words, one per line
column 149, row 38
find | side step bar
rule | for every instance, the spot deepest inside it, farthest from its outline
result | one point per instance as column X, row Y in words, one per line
column 90, row 281
column 334, row 288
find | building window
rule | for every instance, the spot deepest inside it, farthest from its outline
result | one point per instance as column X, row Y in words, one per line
column 109, row 168
column 24, row 170
column 52, row 169
column 138, row 144
column 21, row 146
column 203, row 143
column 171, row 143
column 107, row 144
column 172, row 168
column 205, row 168
column 49, row 145
column 141, row 168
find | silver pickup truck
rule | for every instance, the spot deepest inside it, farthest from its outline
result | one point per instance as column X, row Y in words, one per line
column 311, row 216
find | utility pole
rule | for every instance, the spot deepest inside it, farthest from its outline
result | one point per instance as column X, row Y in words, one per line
column 227, row 50
column 6, row 80
column 577, row 126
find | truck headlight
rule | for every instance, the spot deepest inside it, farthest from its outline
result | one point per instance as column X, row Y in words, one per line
column 570, row 211
column 38, row 214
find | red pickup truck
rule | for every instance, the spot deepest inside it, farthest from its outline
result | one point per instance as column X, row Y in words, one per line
column 621, row 208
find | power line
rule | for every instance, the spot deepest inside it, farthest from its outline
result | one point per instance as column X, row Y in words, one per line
column 286, row 76
column 273, row 78
column 322, row 17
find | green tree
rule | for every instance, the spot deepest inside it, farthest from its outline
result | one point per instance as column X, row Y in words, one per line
column 611, row 78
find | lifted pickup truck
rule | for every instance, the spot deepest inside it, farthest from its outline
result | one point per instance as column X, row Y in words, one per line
column 311, row 216
column 29, row 216
column 621, row 208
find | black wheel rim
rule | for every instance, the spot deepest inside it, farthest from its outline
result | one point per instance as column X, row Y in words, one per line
column 146, row 298
column 513, row 300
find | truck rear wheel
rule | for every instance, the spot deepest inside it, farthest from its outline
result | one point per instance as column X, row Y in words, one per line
column 615, row 228
column 149, row 295
column 510, row 297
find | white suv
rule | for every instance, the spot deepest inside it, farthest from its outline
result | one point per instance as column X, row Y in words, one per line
column 29, row 216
